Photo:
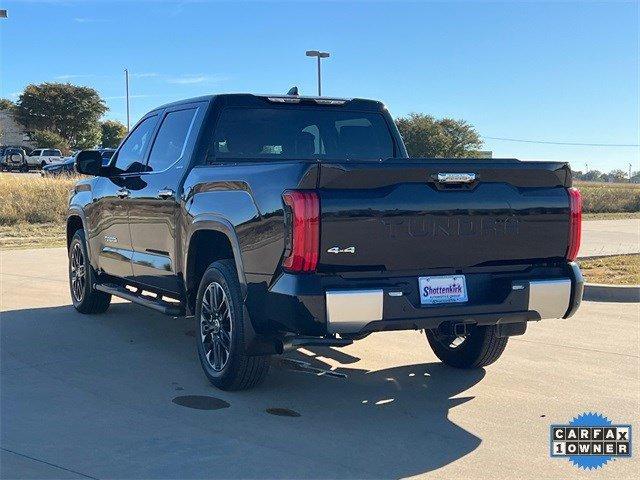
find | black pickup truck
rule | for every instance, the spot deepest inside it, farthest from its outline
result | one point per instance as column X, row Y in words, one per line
column 285, row 221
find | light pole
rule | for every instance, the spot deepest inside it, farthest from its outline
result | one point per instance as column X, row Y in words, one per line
column 319, row 55
column 126, row 82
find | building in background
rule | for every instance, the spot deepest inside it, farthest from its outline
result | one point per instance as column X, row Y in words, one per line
column 13, row 133
column 485, row 154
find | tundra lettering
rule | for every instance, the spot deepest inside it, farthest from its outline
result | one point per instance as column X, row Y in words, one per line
column 447, row 227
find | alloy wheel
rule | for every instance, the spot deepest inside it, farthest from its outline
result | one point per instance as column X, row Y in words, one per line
column 215, row 326
column 78, row 273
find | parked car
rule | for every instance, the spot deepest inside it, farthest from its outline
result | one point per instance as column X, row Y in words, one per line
column 43, row 156
column 283, row 221
column 65, row 167
column 13, row 158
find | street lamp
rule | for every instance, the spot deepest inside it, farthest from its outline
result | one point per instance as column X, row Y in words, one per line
column 126, row 83
column 319, row 55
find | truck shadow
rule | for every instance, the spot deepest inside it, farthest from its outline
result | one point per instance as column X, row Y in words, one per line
column 391, row 423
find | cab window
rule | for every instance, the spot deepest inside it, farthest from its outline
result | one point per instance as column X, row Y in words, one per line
column 130, row 157
column 170, row 142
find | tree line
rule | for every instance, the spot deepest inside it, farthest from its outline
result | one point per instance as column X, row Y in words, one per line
column 615, row 176
column 65, row 116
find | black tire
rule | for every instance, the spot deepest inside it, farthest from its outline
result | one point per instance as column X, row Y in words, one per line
column 85, row 298
column 480, row 347
column 220, row 326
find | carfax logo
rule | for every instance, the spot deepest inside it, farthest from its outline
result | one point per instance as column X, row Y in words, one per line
column 590, row 440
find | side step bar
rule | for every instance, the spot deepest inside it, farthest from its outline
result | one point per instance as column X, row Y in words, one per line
column 155, row 304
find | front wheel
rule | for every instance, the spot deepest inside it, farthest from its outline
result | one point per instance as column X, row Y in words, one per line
column 480, row 347
column 220, row 340
column 85, row 298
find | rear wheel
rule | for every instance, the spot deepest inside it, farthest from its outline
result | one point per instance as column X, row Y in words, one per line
column 220, row 338
column 481, row 346
column 85, row 298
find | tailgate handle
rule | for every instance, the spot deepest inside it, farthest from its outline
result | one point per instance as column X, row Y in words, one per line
column 456, row 177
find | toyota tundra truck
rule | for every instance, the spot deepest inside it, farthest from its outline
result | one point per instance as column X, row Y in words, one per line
column 278, row 222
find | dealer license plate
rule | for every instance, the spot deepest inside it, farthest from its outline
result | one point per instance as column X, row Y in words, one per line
column 442, row 289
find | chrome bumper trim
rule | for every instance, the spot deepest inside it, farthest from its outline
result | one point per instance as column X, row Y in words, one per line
column 350, row 310
column 550, row 298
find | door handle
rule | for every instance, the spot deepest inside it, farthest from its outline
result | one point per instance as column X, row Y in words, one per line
column 123, row 193
column 166, row 193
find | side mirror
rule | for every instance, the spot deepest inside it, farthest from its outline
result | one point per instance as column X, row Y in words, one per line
column 89, row 162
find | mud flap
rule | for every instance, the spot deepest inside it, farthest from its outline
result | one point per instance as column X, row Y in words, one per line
column 256, row 344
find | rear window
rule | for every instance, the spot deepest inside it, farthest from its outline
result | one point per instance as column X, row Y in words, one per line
column 302, row 133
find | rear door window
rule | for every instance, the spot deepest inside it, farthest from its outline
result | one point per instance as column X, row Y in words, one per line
column 302, row 133
column 170, row 142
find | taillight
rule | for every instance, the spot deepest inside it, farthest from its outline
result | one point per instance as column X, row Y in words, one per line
column 575, row 223
column 302, row 214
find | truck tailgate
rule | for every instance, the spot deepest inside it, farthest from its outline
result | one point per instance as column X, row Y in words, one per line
column 398, row 216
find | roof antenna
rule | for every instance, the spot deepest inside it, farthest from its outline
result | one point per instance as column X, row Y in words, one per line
column 293, row 91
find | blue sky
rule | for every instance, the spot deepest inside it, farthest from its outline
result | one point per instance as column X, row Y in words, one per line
column 543, row 71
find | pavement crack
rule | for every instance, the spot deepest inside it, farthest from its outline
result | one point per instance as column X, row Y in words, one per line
column 49, row 463
column 576, row 348
column 33, row 277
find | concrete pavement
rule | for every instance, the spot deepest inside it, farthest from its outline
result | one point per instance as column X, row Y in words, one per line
column 91, row 397
column 610, row 237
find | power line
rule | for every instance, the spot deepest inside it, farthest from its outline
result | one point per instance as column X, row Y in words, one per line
column 564, row 143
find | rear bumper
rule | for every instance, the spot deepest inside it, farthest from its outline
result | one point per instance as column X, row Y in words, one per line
column 317, row 305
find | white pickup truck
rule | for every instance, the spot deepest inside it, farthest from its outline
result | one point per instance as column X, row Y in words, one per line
column 43, row 156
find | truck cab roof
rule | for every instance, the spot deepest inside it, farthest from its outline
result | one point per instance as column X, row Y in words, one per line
column 249, row 99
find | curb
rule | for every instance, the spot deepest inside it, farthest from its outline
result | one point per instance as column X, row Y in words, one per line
column 597, row 292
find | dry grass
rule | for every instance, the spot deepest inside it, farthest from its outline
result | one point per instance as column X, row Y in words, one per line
column 610, row 216
column 32, row 210
column 30, row 199
column 616, row 270
column 32, row 235
column 610, row 197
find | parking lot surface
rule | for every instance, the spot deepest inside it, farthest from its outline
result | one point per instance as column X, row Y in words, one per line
column 91, row 397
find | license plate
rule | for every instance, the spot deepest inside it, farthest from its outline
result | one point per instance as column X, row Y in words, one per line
column 442, row 289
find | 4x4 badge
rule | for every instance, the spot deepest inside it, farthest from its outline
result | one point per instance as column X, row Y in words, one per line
column 342, row 250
